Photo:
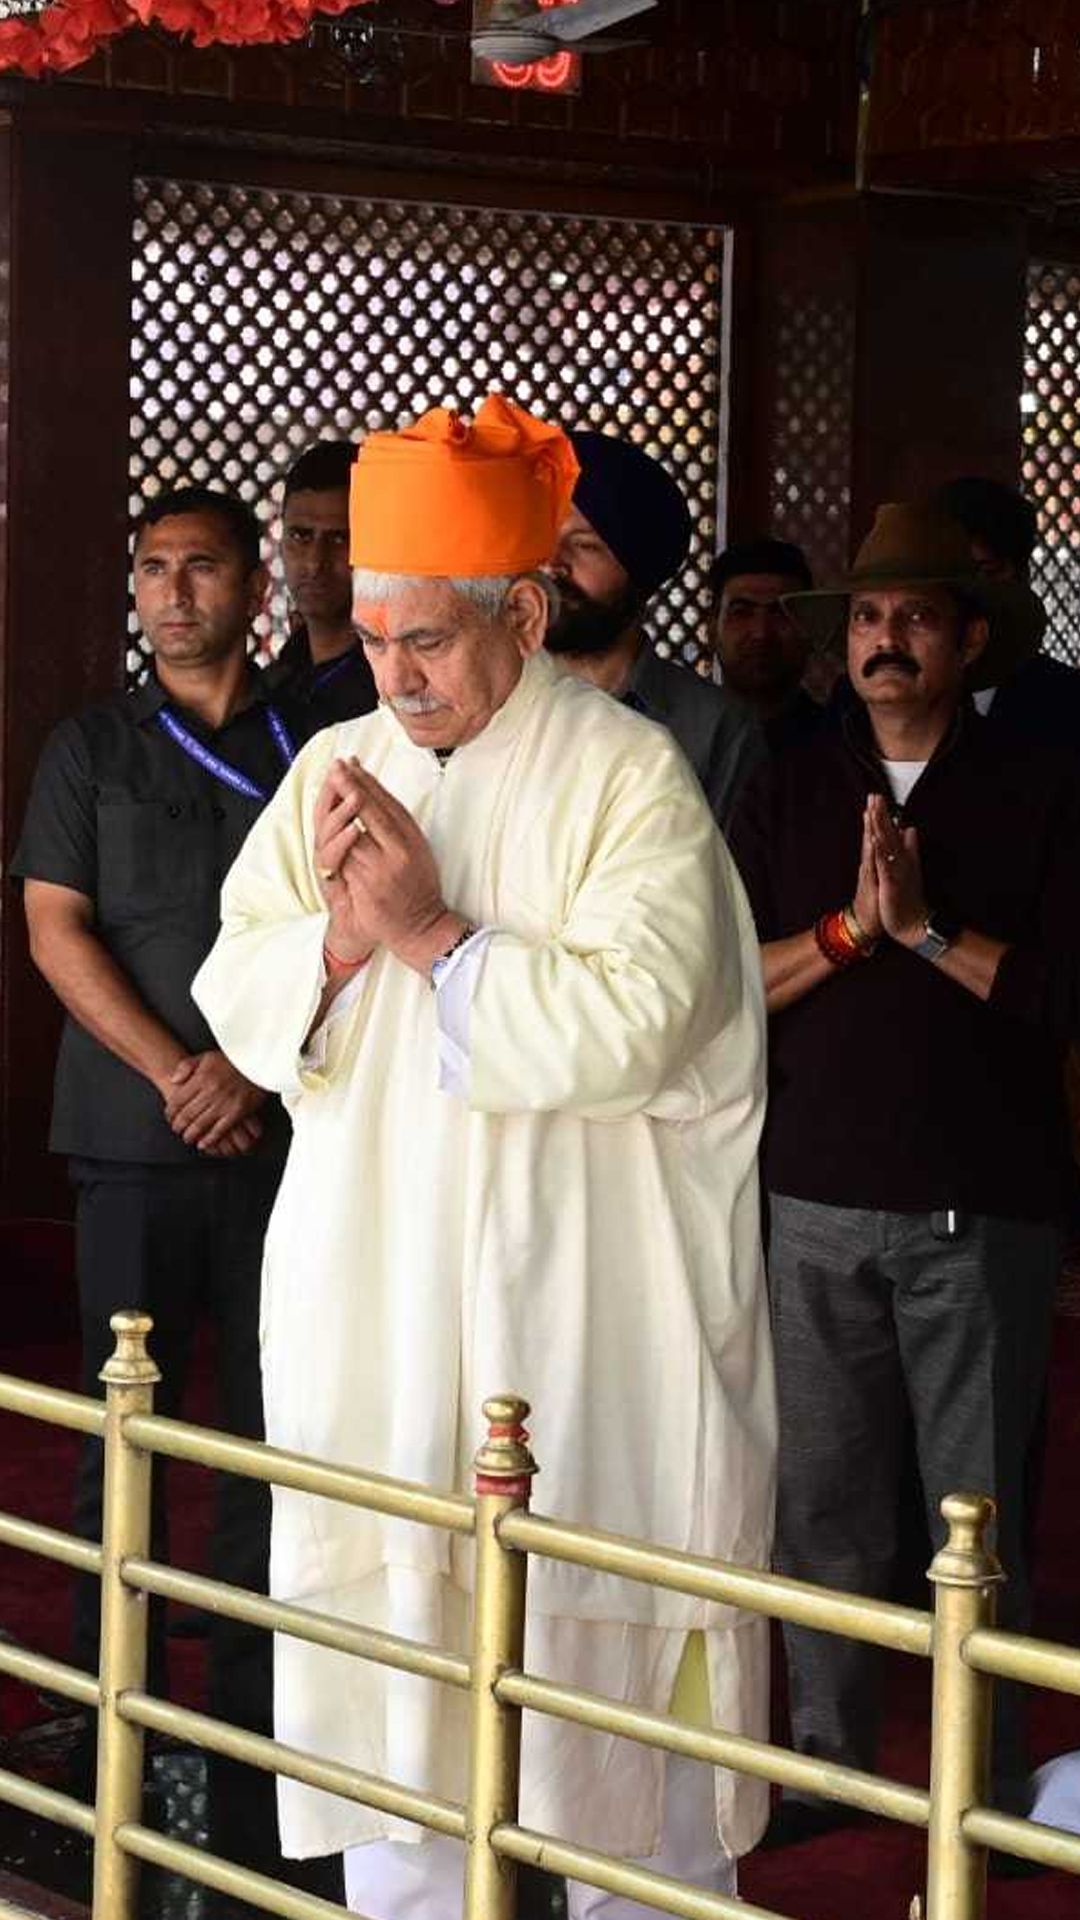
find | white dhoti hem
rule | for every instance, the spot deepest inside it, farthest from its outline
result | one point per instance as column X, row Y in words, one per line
column 578, row 1784
column 391, row 1880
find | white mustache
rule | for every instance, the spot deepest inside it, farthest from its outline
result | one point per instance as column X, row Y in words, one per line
column 413, row 703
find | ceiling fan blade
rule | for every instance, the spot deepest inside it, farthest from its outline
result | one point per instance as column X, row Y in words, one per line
column 608, row 45
column 591, row 16
column 564, row 24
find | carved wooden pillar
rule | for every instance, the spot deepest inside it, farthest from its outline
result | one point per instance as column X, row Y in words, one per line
column 64, row 247
column 794, row 437
column 939, row 347
column 888, row 351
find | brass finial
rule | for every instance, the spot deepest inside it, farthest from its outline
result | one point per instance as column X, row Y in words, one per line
column 504, row 1458
column 965, row 1560
column 130, row 1365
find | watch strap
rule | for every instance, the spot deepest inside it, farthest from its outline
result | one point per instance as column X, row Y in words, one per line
column 935, row 941
column 442, row 960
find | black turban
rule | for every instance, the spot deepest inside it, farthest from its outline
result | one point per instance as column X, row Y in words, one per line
column 632, row 502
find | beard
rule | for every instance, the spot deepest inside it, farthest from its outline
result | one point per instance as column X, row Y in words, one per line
column 585, row 625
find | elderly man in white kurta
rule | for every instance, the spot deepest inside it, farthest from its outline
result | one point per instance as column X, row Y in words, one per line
column 490, row 947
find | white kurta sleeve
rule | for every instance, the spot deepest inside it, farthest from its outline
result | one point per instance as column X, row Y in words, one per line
column 606, row 1017
column 260, row 985
column 455, row 988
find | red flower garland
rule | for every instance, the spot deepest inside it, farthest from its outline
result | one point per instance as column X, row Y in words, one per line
column 61, row 37
column 70, row 31
column 235, row 23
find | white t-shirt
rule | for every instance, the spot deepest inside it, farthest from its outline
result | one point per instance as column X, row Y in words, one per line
column 984, row 699
column 901, row 776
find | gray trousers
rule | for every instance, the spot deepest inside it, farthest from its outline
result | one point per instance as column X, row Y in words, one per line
column 872, row 1317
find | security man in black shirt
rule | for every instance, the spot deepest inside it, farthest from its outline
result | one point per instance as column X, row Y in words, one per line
column 321, row 667
column 138, row 808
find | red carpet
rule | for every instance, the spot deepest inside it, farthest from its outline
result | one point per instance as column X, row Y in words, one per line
column 37, row 1465
column 869, row 1874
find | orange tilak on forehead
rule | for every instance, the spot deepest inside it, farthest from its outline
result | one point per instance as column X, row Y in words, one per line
column 373, row 616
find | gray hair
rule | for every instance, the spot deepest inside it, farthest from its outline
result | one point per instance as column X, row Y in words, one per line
column 486, row 591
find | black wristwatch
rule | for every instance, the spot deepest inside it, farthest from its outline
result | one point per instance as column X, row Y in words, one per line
column 439, row 964
column 939, row 932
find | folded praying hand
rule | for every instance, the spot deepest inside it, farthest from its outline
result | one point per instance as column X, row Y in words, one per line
column 377, row 873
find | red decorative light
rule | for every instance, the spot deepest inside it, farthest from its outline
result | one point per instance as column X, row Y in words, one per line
column 511, row 76
column 556, row 73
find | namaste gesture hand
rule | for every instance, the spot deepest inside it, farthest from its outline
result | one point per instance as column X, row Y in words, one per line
column 901, row 896
column 376, row 870
column 866, row 905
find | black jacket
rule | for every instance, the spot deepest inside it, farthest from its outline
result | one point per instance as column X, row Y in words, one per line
column 891, row 1086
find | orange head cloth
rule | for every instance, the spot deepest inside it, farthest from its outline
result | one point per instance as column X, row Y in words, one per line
column 448, row 498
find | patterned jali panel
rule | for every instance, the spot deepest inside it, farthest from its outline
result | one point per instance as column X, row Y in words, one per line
column 810, row 455
column 1050, row 410
column 264, row 320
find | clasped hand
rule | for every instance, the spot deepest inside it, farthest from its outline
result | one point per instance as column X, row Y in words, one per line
column 376, row 870
column 212, row 1106
column 890, row 897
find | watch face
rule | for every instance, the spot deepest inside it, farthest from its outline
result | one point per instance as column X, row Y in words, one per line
column 943, row 926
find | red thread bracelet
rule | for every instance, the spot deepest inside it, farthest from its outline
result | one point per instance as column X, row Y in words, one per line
column 335, row 964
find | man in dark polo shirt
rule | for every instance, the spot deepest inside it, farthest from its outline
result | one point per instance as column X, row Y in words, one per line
column 138, row 809
column 626, row 534
column 915, row 891
column 321, row 667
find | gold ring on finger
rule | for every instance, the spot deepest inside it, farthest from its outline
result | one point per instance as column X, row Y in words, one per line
column 357, row 824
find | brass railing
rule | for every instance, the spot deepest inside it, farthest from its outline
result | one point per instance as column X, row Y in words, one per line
column 958, row 1637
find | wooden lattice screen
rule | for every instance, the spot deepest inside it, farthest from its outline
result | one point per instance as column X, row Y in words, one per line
column 1050, row 409
column 810, row 454
column 263, row 320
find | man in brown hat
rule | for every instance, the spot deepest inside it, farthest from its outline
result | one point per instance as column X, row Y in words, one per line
column 914, row 889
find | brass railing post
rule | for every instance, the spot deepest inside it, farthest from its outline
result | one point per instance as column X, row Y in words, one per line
column 504, row 1470
column 965, row 1575
column 130, row 1376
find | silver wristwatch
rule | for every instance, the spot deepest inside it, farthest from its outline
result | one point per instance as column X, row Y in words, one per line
column 938, row 936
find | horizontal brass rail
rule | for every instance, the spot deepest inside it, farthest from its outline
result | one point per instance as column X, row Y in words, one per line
column 621, row 1877
column 208, row 1870
column 39, row 1671
column 279, row 1616
column 16, row 1791
column 879, row 1622
column 51, row 1404
column 332, row 1776
column 49, row 1543
column 255, row 1461
column 1053, row 1846
column 1015, row 1656
column 868, row 1791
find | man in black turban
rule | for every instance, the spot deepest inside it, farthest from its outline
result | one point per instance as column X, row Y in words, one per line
column 626, row 534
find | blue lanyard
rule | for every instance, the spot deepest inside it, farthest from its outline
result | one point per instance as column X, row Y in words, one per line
column 330, row 672
column 197, row 749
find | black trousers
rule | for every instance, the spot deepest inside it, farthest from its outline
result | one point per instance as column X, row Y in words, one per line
column 177, row 1243
column 873, row 1318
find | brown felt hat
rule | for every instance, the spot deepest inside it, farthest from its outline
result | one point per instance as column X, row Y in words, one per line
column 911, row 545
